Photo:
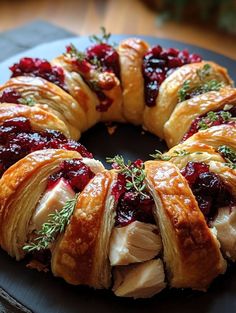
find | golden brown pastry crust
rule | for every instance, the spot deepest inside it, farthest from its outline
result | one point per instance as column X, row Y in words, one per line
column 187, row 240
column 187, row 111
column 156, row 117
column 131, row 52
column 39, row 118
column 21, row 187
column 107, row 82
column 215, row 136
column 52, row 98
column 80, row 256
column 80, row 91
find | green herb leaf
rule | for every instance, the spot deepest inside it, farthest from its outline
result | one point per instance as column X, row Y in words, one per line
column 183, row 91
column 229, row 155
column 74, row 53
column 104, row 38
column 30, row 101
column 204, row 72
column 134, row 175
column 55, row 225
column 205, row 86
column 158, row 155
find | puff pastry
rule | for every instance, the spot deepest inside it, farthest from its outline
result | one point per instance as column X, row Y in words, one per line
column 186, row 238
column 156, row 117
column 131, row 53
column 181, row 237
column 40, row 119
column 187, row 111
column 103, row 80
column 80, row 256
column 21, row 188
column 52, row 98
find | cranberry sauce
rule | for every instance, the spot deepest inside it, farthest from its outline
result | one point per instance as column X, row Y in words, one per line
column 17, row 139
column 105, row 57
column 210, row 119
column 131, row 204
column 75, row 172
column 10, row 95
column 41, row 68
column 98, row 60
column 159, row 63
column 208, row 188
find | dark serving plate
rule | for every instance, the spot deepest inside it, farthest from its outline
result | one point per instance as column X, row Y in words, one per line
column 43, row 293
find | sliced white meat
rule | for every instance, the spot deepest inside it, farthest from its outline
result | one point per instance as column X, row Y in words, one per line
column 136, row 242
column 54, row 199
column 225, row 224
column 141, row 280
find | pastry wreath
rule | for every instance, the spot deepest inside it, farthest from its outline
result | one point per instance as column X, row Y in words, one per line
column 143, row 222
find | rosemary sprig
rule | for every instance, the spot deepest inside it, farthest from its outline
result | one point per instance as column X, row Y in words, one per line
column 30, row 101
column 104, row 38
column 55, row 225
column 229, row 155
column 158, row 155
column 134, row 175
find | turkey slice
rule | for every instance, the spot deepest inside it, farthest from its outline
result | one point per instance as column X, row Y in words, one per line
column 136, row 242
column 142, row 280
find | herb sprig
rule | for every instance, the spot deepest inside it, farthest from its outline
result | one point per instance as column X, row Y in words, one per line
column 158, row 155
column 205, row 86
column 135, row 175
column 104, row 38
column 74, row 53
column 229, row 155
column 55, row 225
column 212, row 117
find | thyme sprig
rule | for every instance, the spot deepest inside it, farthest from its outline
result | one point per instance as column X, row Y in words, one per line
column 158, row 155
column 229, row 155
column 55, row 225
column 135, row 175
column 211, row 117
column 104, row 38
column 74, row 53
column 204, row 86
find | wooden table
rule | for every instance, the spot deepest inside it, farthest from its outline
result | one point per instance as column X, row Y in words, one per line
column 118, row 16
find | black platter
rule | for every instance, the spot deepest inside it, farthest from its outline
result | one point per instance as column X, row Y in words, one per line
column 43, row 293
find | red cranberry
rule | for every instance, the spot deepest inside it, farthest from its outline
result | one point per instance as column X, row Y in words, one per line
column 192, row 171
column 195, row 126
column 208, row 188
column 17, row 139
column 10, row 95
column 75, row 172
column 133, row 206
column 166, row 60
column 107, row 57
column 40, row 68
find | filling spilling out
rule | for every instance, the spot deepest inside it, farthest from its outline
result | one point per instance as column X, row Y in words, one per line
column 56, row 204
column 216, row 202
column 17, row 139
column 158, row 64
column 97, row 59
column 212, row 118
column 135, row 241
